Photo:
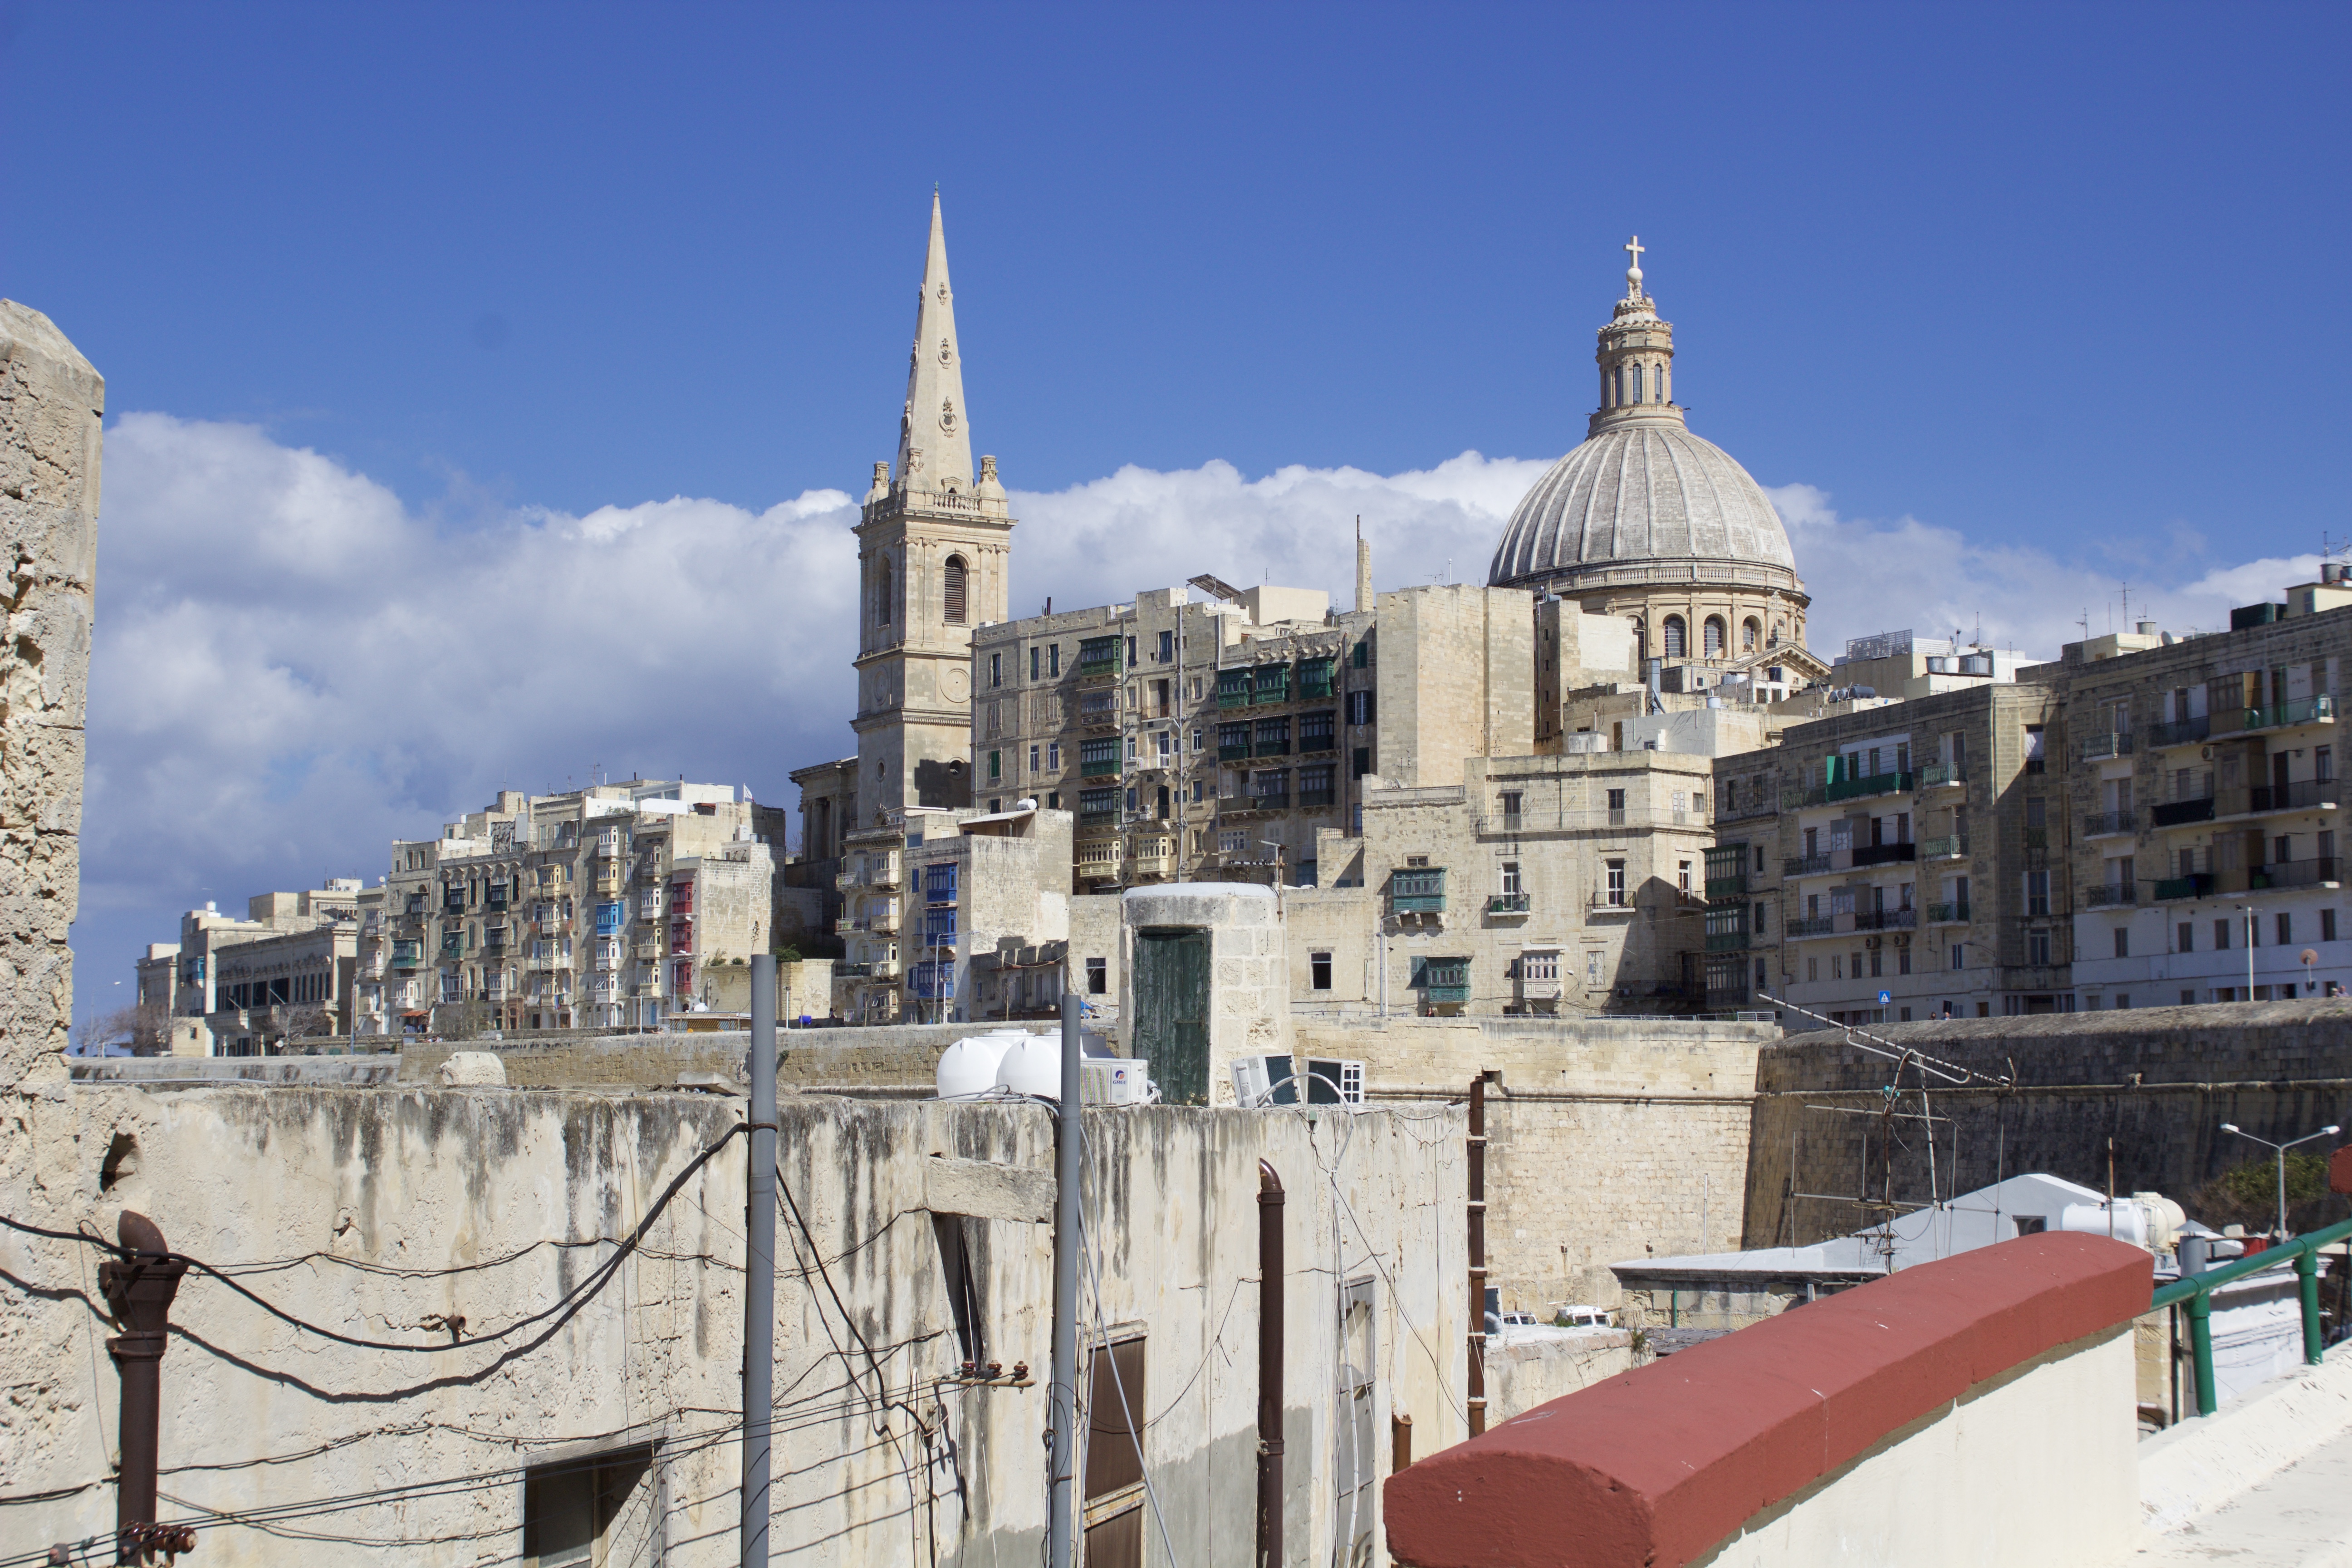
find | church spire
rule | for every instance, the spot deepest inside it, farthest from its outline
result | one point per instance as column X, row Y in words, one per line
column 935, row 431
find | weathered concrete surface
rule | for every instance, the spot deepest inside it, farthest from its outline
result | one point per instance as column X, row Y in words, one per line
column 51, row 403
column 986, row 1191
column 2159, row 1080
column 372, row 1196
column 1525, row 1373
column 318, row 1072
column 2200, row 1466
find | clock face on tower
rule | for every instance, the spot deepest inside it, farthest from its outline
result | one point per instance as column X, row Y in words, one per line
column 956, row 684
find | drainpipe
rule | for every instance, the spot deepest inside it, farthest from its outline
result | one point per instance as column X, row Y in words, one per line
column 139, row 1290
column 1478, row 1379
column 1062, row 1424
column 1269, row 1367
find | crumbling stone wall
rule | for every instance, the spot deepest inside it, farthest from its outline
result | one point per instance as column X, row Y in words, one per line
column 51, row 401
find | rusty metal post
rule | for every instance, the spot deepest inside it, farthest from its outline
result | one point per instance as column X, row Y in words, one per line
column 1269, row 1367
column 1400, row 1443
column 1477, row 1380
column 139, row 1290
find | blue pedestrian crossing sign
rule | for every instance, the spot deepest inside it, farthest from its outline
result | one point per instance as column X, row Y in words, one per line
column 1884, row 997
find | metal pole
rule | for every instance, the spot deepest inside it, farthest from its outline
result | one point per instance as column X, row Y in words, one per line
column 139, row 1293
column 2281, row 1192
column 1270, row 1197
column 760, row 1267
column 1062, row 1424
column 2200, row 1341
column 2306, row 1268
column 1476, row 1399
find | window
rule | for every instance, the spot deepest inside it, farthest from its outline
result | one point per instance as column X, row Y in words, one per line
column 1616, row 807
column 1131, row 653
column 2328, row 925
column 2037, row 947
column 2037, row 892
column 1167, row 654
column 2034, row 748
column 1510, row 879
column 1675, row 637
column 1052, row 756
column 1813, row 970
column 2123, row 941
column 1033, row 651
column 2286, row 929
column 589, row 1512
column 1615, row 894
column 1097, row 976
column 1683, row 875
column 1959, row 954
column 1053, row 658
column 994, row 718
column 1837, row 966
column 882, row 591
column 996, row 669
column 1319, row 971
column 1032, row 759
column 1711, row 639
column 995, row 765
column 1114, row 1421
column 953, row 597
column 2323, row 763
column 1360, row 706
column 1749, row 632
column 2222, row 935
column 1657, row 384
column 1232, row 841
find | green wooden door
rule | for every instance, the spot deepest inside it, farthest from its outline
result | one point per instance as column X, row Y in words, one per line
column 1172, row 1011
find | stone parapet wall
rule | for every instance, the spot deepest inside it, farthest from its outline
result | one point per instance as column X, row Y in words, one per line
column 51, row 403
column 893, row 1059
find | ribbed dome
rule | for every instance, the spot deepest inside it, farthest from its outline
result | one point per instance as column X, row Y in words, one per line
column 1644, row 491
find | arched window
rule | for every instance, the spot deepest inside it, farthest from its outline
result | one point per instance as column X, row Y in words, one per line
column 1617, row 393
column 1604, row 389
column 1657, row 384
column 1677, row 643
column 1750, row 631
column 955, row 590
column 882, row 591
column 1711, row 637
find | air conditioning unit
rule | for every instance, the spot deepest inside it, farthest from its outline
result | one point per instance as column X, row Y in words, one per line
column 1263, row 1080
column 1115, row 1081
column 1330, row 1081
column 1872, row 940
column 2206, row 754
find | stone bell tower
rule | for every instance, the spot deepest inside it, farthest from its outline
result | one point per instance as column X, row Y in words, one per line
column 934, row 551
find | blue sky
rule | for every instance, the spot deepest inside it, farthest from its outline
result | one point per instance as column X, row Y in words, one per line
column 2021, row 302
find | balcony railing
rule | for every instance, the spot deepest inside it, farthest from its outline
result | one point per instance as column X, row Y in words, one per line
column 1810, row 925
column 1951, row 911
column 2304, row 794
column 1099, row 767
column 2179, row 733
column 1942, row 775
column 2303, row 710
column 1270, row 800
column 1232, row 751
column 1951, row 846
column 1447, row 995
column 1727, row 941
column 1730, row 886
column 2197, row 885
column 1233, row 696
column 1808, row 864
column 1884, row 854
column 2036, row 977
column 2180, row 812
column 1311, row 743
column 1307, row 798
column 2110, row 823
column 2107, row 895
column 1273, row 748
column 2116, row 743
column 1507, row 904
column 2319, row 872
column 1876, row 784
column 1885, row 920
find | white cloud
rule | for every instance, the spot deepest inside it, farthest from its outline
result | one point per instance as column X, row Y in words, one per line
column 292, row 667
column 1868, row 577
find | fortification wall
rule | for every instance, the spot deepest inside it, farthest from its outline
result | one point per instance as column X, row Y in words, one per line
column 899, row 1057
column 2160, row 1081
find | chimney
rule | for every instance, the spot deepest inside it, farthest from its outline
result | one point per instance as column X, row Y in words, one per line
column 1364, row 570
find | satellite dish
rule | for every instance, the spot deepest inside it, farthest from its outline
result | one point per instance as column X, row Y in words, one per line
column 2309, row 958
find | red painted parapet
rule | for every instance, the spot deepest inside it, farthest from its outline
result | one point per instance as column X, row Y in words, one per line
column 1655, row 1466
column 2340, row 1170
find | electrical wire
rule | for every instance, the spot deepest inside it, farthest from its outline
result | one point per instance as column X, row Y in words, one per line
column 578, row 1295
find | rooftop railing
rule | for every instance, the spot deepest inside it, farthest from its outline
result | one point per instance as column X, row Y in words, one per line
column 2194, row 1292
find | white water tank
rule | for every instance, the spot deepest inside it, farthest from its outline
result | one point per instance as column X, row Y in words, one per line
column 2144, row 1219
column 1032, row 1066
column 969, row 1067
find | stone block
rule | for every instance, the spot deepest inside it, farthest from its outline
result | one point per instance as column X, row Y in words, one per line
column 473, row 1069
column 984, row 1189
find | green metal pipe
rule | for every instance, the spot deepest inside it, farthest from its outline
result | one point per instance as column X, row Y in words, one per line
column 2199, row 1284
column 2306, row 1268
column 2201, row 1339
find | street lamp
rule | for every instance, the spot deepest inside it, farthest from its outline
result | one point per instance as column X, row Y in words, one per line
column 2329, row 1131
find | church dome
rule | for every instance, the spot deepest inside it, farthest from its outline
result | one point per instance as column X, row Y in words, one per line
column 1646, row 492
column 1643, row 500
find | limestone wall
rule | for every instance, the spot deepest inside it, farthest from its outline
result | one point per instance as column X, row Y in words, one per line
column 2159, row 1080
column 51, row 403
column 902, row 1057
column 1606, row 1139
column 382, row 1193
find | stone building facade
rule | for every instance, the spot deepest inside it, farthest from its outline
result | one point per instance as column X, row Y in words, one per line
column 1913, row 848
column 2197, row 799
